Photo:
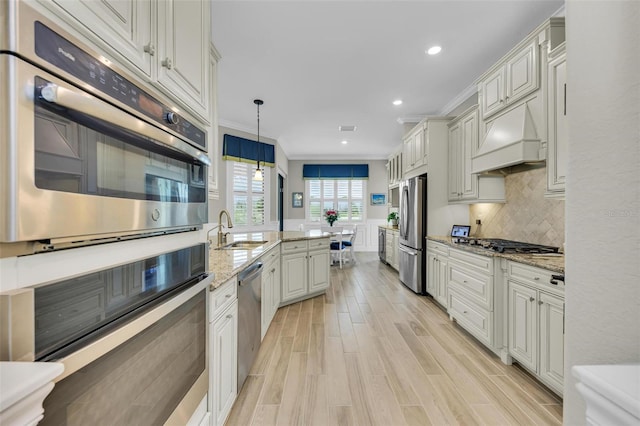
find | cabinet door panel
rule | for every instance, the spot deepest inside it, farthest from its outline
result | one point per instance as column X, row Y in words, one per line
column 552, row 340
column 294, row 276
column 492, row 90
column 318, row 271
column 523, row 325
column 125, row 25
column 557, row 160
column 522, row 73
column 183, row 46
column 454, row 161
column 224, row 372
column 469, row 145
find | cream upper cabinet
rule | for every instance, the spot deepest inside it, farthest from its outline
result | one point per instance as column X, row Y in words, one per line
column 183, row 52
column 394, row 168
column 414, row 153
column 164, row 42
column 124, row 25
column 519, row 73
column 464, row 186
column 513, row 80
column 557, row 150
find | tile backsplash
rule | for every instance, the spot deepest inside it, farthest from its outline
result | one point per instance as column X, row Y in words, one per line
column 526, row 216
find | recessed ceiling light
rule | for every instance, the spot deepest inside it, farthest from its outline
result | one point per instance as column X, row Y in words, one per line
column 434, row 50
column 397, row 102
column 344, row 142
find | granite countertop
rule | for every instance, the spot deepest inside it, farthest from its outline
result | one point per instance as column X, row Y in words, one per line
column 224, row 264
column 552, row 262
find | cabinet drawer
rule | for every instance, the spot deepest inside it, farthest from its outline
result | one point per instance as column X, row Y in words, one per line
column 295, row 246
column 477, row 286
column 438, row 248
column 270, row 256
column 476, row 321
column 222, row 297
column 534, row 276
column 321, row 243
column 482, row 263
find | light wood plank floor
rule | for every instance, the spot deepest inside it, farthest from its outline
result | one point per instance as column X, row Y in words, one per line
column 371, row 352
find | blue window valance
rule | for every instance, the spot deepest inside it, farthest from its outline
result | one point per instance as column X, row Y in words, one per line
column 235, row 148
column 335, row 171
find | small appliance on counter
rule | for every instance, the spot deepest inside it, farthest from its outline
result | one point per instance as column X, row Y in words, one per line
column 460, row 233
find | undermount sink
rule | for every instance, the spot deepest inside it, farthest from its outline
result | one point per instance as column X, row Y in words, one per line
column 242, row 245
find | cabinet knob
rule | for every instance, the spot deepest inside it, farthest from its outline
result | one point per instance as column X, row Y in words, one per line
column 167, row 63
column 227, row 296
column 464, row 281
column 536, row 278
column 229, row 316
column 540, row 302
column 531, row 299
column 150, row 49
column 464, row 312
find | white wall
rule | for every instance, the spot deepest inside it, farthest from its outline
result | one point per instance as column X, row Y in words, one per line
column 602, row 196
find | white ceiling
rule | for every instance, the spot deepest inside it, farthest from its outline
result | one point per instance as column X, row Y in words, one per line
column 321, row 64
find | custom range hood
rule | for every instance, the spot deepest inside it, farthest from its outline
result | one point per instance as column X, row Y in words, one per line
column 511, row 140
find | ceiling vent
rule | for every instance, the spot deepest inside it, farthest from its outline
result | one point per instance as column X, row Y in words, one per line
column 347, row 128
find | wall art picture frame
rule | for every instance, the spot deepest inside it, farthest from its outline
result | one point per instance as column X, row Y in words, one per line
column 297, row 199
column 378, row 199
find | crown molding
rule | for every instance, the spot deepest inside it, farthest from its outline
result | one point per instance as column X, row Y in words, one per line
column 460, row 98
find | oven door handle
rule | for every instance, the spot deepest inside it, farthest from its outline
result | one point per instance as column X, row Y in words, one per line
column 96, row 108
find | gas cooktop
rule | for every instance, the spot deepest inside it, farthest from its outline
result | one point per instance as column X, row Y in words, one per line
column 507, row 246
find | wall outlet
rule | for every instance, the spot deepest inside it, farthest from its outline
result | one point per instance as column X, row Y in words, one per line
column 478, row 222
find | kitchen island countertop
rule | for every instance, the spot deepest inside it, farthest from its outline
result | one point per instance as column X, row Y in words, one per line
column 224, row 264
column 554, row 262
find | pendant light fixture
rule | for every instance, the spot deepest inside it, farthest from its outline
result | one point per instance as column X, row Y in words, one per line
column 258, row 175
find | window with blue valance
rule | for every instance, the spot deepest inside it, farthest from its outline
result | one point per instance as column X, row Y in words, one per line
column 335, row 171
column 235, row 148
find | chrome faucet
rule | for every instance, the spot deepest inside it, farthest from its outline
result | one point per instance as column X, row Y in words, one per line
column 222, row 236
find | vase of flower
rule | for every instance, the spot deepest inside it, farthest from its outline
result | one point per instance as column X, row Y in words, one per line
column 330, row 216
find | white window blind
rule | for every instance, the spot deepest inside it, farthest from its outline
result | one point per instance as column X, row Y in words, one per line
column 249, row 197
column 345, row 196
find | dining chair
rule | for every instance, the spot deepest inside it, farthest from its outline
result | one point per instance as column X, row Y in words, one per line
column 337, row 247
column 349, row 243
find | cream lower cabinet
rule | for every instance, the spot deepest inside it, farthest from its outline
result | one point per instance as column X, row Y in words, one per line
column 470, row 299
column 392, row 248
column 305, row 269
column 437, row 262
column 270, row 288
column 223, row 341
column 536, row 323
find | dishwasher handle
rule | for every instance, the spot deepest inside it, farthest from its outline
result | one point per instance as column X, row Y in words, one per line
column 249, row 273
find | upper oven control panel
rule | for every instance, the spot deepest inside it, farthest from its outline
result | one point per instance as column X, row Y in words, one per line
column 63, row 54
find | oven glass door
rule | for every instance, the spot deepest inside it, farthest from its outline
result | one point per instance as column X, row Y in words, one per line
column 80, row 153
column 142, row 381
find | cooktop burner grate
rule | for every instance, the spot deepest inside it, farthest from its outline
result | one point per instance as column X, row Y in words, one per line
column 507, row 246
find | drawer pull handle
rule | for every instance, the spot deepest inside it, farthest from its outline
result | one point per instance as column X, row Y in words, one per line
column 555, row 278
column 229, row 316
column 536, row 278
column 531, row 299
column 227, row 296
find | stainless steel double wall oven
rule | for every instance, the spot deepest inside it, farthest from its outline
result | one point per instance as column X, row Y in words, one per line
column 85, row 151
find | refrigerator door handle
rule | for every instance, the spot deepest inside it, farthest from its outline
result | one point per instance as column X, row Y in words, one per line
column 410, row 253
column 404, row 212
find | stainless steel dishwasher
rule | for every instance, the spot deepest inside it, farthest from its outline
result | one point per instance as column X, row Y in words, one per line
column 249, row 318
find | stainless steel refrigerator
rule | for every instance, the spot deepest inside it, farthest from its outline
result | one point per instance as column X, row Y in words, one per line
column 413, row 230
